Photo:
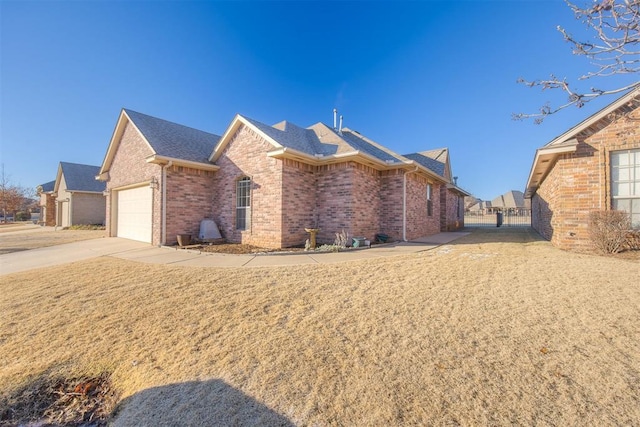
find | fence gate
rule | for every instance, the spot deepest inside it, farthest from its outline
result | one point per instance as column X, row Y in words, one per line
column 507, row 217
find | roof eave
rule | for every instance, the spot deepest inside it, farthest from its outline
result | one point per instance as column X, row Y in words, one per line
column 458, row 190
column 164, row 160
column 543, row 162
column 593, row 119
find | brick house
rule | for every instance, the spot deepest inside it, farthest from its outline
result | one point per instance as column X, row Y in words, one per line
column 78, row 196
column 263, row 185
column 593, row 166
column 47, row 203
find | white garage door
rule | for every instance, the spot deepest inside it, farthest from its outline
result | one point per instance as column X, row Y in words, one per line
column 134, row 214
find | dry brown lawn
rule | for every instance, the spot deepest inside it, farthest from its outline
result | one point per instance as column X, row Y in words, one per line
column 19, row 237
column 497, row 328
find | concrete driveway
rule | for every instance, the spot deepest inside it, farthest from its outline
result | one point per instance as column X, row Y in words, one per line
column 143, row 252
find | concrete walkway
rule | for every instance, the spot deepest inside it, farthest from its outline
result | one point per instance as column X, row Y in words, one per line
column 143, row 252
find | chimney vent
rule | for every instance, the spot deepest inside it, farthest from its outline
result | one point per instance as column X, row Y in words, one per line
column 340, row 128
column 335, row 118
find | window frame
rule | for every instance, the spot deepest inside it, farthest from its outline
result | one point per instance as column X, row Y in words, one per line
column 429, row 200
column 243, row 203
column 632, row 180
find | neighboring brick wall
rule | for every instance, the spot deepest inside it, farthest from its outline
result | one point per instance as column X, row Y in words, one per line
column 189, row 201
column 47, row 209
column 579, row 183
column 129, row 168
column 88, row 208
column 246, row 155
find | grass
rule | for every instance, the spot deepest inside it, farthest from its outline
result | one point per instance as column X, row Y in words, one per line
column 499, row 328
column 38, row 237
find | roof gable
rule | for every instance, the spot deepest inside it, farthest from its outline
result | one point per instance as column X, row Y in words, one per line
column 173, row 140
column 79, row 177
column 166, row 140
column 436, row 160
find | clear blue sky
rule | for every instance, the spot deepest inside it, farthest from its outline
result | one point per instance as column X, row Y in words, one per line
column 410, row 75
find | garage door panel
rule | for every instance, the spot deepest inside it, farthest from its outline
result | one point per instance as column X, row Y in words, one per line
column 134, row 213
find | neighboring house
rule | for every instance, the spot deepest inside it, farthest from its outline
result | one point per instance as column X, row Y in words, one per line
column 480, row 207
column 263, row 185
column 47, row 203
column 512, row 202
column 593, row 166
column 78, row 196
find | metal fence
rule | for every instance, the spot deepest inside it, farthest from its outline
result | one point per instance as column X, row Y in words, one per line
column 505, row 218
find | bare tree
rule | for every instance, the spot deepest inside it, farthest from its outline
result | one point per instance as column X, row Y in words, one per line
column 614, row 51
column 12, row 197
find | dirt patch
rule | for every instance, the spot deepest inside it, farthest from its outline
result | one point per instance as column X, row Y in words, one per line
column 86, row 401
column 239, row 249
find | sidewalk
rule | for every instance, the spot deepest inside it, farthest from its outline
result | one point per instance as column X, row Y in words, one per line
column 143, row 252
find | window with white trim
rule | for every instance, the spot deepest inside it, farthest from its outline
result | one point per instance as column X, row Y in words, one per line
column 243, row 203
column 625, row 183
column 429, row 201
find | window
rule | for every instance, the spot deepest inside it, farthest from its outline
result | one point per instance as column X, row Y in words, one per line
column 429, row 201
column 243, row 203
column 625, row 183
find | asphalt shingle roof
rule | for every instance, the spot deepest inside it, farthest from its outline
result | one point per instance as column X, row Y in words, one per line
column 432, row 164
column 320, row 139
column 82, row 177
column 48, row 187
column 170, row 139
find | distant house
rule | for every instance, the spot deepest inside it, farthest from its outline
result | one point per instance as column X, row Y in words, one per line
column 79, row 198
column 511, row 202
column 264, row 185
column 593, row 166
column 47, row 203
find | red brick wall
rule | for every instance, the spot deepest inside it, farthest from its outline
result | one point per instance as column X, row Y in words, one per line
column 335, row 186
column 391, row 191
column 189, row 201
column 246, row 155
column 579, row 184
column 129, row 168
column 419, row 224
column 450, row 218
column 299, row 183
column 348, row 198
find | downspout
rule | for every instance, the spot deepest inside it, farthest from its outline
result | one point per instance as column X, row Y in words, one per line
column 404, row 203
column 164, row 202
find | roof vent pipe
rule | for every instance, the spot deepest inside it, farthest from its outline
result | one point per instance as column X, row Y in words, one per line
column 340, row 128
column 335, row 118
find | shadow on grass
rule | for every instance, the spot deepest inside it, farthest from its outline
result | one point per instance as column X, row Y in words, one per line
column 482, row 235
column 202, row 403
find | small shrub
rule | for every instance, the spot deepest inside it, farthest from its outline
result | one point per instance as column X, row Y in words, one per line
column 85, row 227
column 341, row 239
column 633, row 240
column 608, row 230
column 329, row 248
